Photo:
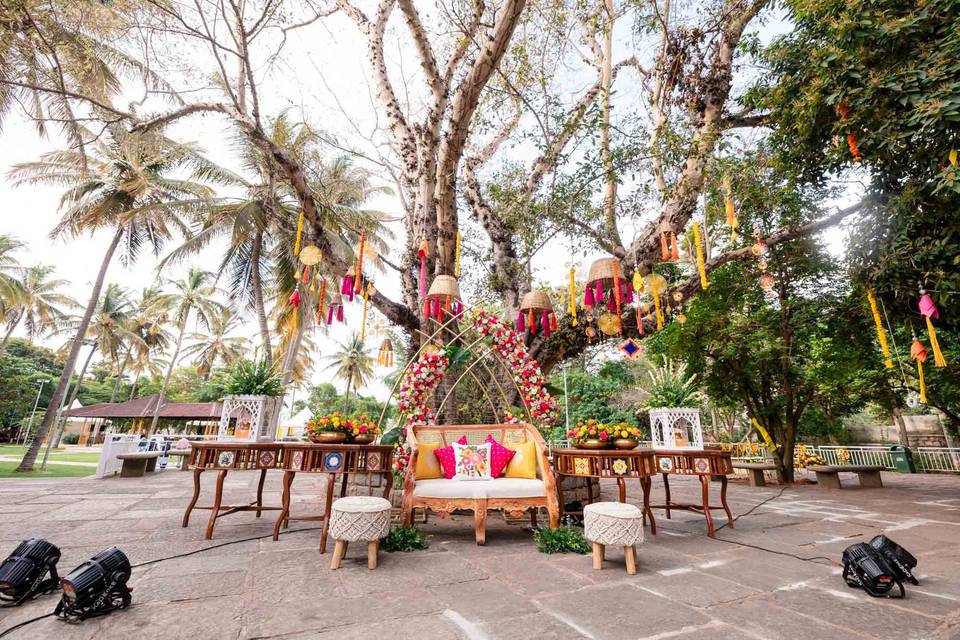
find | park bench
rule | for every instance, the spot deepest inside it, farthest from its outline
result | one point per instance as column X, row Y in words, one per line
column 183, row 454
column 829, row 475
column 136, row 463
column 755, row 471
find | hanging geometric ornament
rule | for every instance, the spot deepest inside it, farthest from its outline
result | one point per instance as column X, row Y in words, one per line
column 919, row 353
column 732, row 221
column 535, row 306
column 631, row 348
column 422, row 252
column 385, row 355
column 310, row 255
column 759, row 247
column 852, row 142
column 881, row 334
column 701, row 266
column 443, row 297
column 928, row 309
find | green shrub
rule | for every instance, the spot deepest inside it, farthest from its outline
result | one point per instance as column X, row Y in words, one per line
column 70, row 438
column 404, row 539
column 253, row 378
column 562, row 540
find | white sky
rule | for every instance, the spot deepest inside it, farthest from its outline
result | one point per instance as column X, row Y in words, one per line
column 321, row 62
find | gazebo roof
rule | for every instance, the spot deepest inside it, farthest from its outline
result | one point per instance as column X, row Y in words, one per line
column 144, row 407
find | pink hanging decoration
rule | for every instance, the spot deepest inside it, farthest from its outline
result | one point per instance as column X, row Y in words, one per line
column 588, row 299
column 422, row 252
column 521, row 323
column 294, row 298
column 611, row 305
column 545, row 323
column 340, row 312
column 436, row 308
column 928, row 307
column 347, row 288
column 553, row 321
column 598, row 293
column 628, row 290
column 330, row 315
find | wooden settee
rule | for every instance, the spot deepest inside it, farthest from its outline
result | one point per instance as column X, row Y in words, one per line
column 513, row 495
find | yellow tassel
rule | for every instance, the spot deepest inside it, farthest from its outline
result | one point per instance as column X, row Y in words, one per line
column 731, row 211
column 764, row 434
column 700, row 262
column 363, row 322
column 656, row 307
column 953, row 157
column 923, row 385
column 938, row 359
column 881, row 334
column 359, row 275
column 456, row 264
column 296, row 246
column 637, row 282
column 573, row 296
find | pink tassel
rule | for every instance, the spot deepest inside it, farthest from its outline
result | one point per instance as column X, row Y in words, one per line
column 330, row 315
column 347, row 287
column 598, row 294
column 294, row 298
column 340, row 313
column 436, row 308
column 588, row 300
column 521, row 323
column 629, row 291
column 423, row 276
column 553, row 322
column 611, row 305
column 545, row 323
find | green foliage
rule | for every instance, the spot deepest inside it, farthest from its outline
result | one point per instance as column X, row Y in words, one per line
column 70, row 438
column 672, row 386
column 323, row 399
column 404, row 539
column 595, row 395
column 22, row 368
column 258, row 378
column 562, row 540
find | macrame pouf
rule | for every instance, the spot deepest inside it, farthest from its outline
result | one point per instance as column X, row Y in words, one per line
column 616, row 524
column 359, row 519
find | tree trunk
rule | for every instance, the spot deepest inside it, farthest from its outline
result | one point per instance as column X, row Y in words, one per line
column 123, row 367
column 51, row 413
column 6, row 336
column 73, row 397
column 166, row 379
column 257, row 284
column 901, row 426
column 133, row 387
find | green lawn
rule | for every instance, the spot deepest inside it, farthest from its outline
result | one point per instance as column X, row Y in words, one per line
column 52, row 471
column 57, row 454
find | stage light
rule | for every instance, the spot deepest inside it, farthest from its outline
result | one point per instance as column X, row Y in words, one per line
column 900, row 560
column 23, row 573
column 96, row 587
column 863, row 566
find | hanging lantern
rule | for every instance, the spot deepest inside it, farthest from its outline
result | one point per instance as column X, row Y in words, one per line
column 536, row 313
column 294, row 299
column 443, row 298
column 929, row 311
column 385, row 355
column 606, row 280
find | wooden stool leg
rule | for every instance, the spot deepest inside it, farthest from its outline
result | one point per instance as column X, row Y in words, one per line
column 373, row 549
column 339, row 551
column 630, row 553
column 597, row 556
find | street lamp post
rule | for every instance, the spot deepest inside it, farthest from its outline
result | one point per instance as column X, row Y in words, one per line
column 33, row 412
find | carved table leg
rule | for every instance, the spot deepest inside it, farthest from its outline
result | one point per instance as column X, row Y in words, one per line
column 343, row 486
column 263, row 477
column 705, row 486
column 328, row 503
column 533, row 517
column 645, row 484
column 666, row 489
column 196, row 494
column 723, row 500
column 284, row 503
column 217, row 499
column 622, row 488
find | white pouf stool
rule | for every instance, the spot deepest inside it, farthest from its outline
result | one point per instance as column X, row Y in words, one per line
column 616, row 524
column 359, row 519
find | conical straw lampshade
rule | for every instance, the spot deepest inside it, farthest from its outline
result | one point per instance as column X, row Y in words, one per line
column 536, row 300
column 444, row 286
column 602, row 269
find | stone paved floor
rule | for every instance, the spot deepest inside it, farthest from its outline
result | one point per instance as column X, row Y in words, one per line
column 688, row 586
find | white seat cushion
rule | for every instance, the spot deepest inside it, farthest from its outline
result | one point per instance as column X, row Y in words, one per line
column 499, row 488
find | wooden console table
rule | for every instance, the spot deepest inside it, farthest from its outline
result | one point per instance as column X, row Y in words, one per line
column 703, row 463
column 619, row 464
column 225, row 457
column 330, row 459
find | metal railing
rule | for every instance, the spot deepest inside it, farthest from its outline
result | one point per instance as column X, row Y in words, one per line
column 938, row 459
column 857, row 454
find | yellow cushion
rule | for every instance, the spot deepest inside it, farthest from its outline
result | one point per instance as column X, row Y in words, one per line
column 428, row 466
column 523, row 464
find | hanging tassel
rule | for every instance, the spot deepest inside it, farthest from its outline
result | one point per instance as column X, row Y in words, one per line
column 446, row 304
column 700, row 261
column 456, row 260
column 422, row 252
column 953, row 157
column 323, row 296
column 573, row 296
column 674, row 247
column 732, row 221
column 923, row 385
column 854, row 146
column 553, row 321
column 545, row 323
column 929, row 311
column 363, row 240
column 531, row 321
column 347, row 286
column 881, row 334
column 306, row 275
column 340, row 312
column 919, row 353
column 427, row 306
column 664, row 250
column 521, row 322
column 637, row 282
column 330, row 315
column 436, row 308
column 363, row 320
column 628, row 292
column 639, row 320
column 598, row 291
column 294, row 298
column 656, row 307
column 611, row 304
column 588, row 300
column 296, row 244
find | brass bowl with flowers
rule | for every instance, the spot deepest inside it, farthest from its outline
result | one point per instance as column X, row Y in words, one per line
column 591, row 443
column 363, row 430
column 327, row 437
column 625, row 443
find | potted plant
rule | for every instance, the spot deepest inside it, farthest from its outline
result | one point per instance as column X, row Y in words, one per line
column 673, row 400
column 591, row 434
column 331, row 429
column 252, row 391
column 625, row 436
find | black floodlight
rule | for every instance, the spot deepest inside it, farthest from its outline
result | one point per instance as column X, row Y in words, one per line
column 900, row 560
column 96, row 587
column 863, row 566
column 23, row 575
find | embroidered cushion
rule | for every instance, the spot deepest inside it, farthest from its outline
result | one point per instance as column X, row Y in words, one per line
column 472, row 461
column 500, row 457
column 445, row 456
column 428, row 466
column 524, row 462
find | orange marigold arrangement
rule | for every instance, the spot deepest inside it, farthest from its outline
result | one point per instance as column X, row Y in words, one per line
column 361, row 425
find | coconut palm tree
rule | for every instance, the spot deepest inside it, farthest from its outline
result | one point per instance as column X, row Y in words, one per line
column 38, row 304
column 9, row 270
column 217, row 345
column 191, row 295
column 147, row 335
column 354, row 363
column 121, row 183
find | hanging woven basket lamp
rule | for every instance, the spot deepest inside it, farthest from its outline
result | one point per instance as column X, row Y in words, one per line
column 385, row 355
column 535, row 306
column 443, row 298
column 606, row 284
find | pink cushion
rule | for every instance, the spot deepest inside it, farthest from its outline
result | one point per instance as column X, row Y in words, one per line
column 447, row 460
column 500, row 457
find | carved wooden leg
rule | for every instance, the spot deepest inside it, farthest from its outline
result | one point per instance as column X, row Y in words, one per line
column 343, row 486
column 533, row 517
column 263, row 477
column 645, row 484
column 196, row 494
column 284, row 503
column 215, row 510
column 630, row 554
column 328, row 504
column 723, row 500
column 339, row 550
column 373, row 549
column 666, row 489
column 622, row 488
column 480, row 521
column 705, row 492
column 597, row 556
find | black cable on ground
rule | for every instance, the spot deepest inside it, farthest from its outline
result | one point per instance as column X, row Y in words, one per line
column 20, row 625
